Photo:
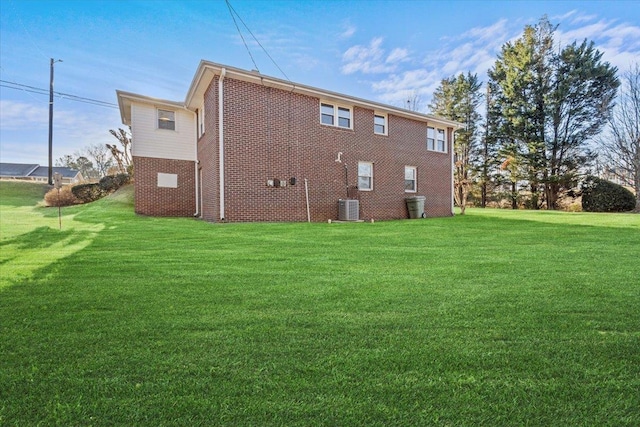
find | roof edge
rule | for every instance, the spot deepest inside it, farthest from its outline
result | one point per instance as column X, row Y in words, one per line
column 207, row 70
column 125, row 99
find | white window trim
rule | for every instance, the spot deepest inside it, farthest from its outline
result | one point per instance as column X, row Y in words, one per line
column 369, row 176
column 201, row 127
column 435, row 139
column 415, row 179
column 336, row 118
column 175, row 119
column 385, row 116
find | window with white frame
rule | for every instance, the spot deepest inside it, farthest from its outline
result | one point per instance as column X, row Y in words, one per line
column 440, row 142
column 436, row 140
column 365, row 176
column 200, row 116
column 410, row 179
column 334, row 115
column 166, row 119
column 380, row 124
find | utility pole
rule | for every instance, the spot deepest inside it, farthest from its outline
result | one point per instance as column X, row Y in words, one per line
column 51, row 120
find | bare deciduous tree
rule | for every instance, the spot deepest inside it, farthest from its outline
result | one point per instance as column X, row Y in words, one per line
column 100, row 156
column 121, row 156
column 414, row 101
column 621, row 146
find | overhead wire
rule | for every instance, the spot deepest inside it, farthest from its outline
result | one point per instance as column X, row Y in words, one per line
column 232, row 11
column 42, row 91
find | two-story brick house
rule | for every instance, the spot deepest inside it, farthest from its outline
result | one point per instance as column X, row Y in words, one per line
column 247, row 147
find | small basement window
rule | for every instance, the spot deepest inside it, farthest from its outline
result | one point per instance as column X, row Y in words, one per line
column 166, row 119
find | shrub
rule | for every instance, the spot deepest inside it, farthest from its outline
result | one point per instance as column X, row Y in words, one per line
column 64, row 197
column 599, row 195
column 111, row 183
column 87, row 192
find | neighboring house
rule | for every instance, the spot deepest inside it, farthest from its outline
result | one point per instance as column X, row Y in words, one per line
column 247, row 147
column 35, row 172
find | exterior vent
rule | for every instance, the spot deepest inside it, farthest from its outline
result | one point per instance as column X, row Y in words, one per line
column 348, row 210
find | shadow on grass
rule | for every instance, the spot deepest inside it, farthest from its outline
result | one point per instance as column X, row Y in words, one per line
column 154, row 310
column 31, row 254
column 44, row 237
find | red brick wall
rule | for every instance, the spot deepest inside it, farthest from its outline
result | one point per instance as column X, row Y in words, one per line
column 208, row 156
column 160, row 201
column 275, row 134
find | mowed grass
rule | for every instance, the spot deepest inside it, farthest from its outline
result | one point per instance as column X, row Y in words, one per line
column 492, row 318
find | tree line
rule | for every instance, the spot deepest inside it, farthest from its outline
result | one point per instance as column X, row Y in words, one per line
column 547, row 117
column 97, row 160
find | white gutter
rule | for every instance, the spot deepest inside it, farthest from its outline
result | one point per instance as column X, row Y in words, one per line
column 453, row 171
column 223, row 71
column 197, row 186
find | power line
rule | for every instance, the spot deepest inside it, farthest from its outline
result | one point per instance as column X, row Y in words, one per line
column 41, row 91
column 232, row 11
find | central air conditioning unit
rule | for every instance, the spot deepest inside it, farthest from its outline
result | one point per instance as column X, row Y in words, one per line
column 348, row 210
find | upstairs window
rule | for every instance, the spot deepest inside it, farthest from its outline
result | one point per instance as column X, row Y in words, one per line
column 365, row 176
column 166, row 119
column 440, row 144
column 380, row 124
column 436, row 140
column 334, row 115
column 326, row 114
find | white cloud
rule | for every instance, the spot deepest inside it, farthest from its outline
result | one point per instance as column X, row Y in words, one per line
column 474, row 50
column 583, row 18
column 372, row 59
column 16, row 115
column 75, row 127
column 349, row 31
column 492, row 32
column 619, row 42
column 366, row 59
column 397, row 55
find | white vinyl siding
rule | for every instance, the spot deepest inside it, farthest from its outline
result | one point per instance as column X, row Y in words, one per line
column 149, row 141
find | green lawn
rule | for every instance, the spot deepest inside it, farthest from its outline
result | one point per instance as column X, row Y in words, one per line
column 492, row 318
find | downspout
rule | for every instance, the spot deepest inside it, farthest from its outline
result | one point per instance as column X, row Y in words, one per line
column 221, row 140
column 453, row 189
column 197, row 176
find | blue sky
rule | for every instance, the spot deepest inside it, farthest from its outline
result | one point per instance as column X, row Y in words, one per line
column 384, row 51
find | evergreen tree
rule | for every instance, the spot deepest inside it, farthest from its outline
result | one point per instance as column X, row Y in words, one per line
column 458, row 98
column 549, row 103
